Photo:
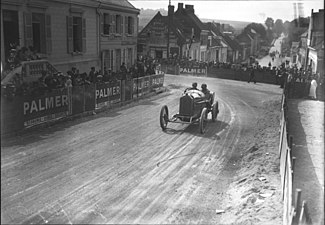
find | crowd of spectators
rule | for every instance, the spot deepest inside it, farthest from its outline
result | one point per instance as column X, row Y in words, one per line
column 49, row 81
column 17, row 55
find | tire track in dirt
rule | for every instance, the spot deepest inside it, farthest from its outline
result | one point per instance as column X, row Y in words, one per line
column 104, row 170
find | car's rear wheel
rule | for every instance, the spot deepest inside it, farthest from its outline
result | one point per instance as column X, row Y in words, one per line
column 164, row 117
column 215, row 111
column 203, row 120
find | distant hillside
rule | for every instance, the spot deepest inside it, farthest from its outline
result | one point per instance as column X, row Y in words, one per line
column 147, row 14
column 238, row 25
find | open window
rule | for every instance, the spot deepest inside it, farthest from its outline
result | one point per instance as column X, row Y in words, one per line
column 38, row 32
column 76, row 34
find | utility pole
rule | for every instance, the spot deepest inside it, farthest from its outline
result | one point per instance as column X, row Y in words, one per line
column 168, row 25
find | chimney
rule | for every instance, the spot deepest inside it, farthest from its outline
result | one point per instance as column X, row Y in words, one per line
column 190, row 8
column 180, row 6
column 171, row 10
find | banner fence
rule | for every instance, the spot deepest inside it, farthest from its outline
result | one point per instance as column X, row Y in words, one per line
column 21, row 112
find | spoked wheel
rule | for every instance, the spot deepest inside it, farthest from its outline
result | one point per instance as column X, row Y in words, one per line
column 203, row 120
column 215, row 111
column 164, row 117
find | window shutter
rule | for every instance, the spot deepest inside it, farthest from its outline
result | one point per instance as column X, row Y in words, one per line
column 111, row 24
column 28, row 29
column 121, row 24
column 136, row 25
column 126, row 30
column 48, row 34
column 101, row 21
column 114, row 24
column 132, row 25
column 84, row 35
column 69, row 34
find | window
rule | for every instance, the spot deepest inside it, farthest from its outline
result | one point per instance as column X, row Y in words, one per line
column 77, row 34
column 118, row 59
column 118, row 26
column 10, row 30
column 38, row 32
column 107, row 24
column 130, row 57
column 76, row 26
column 130, row 25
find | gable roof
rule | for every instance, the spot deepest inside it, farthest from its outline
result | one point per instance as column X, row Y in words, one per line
column 233, row 44
column 122, row 3
column 243, row 37
column 175, row 25
column 191, row 16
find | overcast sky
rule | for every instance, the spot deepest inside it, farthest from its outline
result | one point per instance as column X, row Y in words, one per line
column 243, row 10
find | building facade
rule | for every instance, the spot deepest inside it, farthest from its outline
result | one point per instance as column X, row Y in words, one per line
column 315, row 43
column 77, row 33
column 180, row 34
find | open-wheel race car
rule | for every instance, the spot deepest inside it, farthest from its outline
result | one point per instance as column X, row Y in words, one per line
column 194, row 108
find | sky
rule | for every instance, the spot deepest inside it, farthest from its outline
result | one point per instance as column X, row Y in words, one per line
column 239, row 10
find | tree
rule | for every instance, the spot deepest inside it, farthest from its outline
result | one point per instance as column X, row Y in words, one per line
column 269, row 22
column 278, row 27
column 259, row 28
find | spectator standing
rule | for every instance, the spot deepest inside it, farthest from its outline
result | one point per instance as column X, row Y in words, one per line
column 312, row 89
column 252, row 76
column 123, row 68
column 92, row 75
column 68, row 81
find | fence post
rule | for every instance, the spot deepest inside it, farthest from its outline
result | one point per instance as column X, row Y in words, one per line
column 290, row 141
column 297, row 204
column 304, row 217
column 293, row 166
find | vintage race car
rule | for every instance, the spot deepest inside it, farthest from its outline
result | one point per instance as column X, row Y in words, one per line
column 194, row 107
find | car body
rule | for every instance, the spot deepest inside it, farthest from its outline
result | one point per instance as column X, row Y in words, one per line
column 194, row 107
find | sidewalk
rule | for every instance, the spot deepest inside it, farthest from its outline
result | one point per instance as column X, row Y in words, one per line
column 306, row 125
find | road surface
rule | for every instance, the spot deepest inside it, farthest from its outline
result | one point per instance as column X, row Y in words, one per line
column 278, row 59
column 120, row 167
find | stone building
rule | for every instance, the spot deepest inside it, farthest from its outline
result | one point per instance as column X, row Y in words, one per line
column 249, row 42
column 221, row 47
column 79, row 33
column 180, row 34
column 302, row 53
column 315, row 43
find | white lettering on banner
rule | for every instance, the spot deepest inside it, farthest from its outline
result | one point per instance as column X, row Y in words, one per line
column 49, row 103
column 107, row 92
column 40, row 105
column 158, row 81
column 43, row 119
column 45, row 104
column 146, row 83
column 57, row 101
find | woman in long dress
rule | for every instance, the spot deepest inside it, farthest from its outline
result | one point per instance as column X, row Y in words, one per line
column 312, row 89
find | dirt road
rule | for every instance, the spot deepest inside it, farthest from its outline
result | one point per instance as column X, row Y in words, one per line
column 120, row 167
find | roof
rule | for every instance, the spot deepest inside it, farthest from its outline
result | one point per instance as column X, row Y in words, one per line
column 243, row 38
column 191, row 16
column 122, row 3
column 175, row 26
column 233, row 44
